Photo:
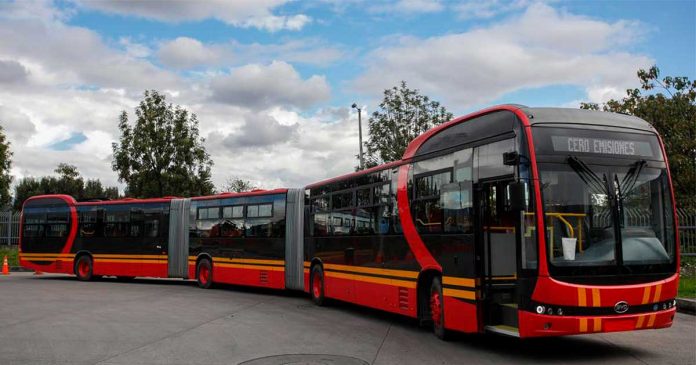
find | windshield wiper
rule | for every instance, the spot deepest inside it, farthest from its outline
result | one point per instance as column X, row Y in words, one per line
column 588, row 176
column 629, row 181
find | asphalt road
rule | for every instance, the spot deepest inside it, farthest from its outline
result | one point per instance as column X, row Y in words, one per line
column 55, row 319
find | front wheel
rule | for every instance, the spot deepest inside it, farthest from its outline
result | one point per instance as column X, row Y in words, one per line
column 317, row 286
column 437, row 309
column 204, row 274
column 83, row 268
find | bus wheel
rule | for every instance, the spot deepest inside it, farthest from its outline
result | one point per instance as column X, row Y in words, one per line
column 317, row 285
column 204, row 274
column 437, row 309
column 83, row 268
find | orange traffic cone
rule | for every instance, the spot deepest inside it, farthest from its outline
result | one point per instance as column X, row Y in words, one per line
column 5, row 266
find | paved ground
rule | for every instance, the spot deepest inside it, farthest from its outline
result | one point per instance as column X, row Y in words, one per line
column 55, row 319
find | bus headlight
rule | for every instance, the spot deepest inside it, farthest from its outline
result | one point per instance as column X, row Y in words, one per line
column 540, row 309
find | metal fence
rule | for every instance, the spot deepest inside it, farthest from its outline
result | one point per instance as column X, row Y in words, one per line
column 687, row 231
column 9, row 227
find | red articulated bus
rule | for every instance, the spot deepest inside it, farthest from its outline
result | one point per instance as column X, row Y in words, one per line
column 522, row 221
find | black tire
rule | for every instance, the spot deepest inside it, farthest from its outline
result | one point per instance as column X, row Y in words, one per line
column 83, row 268
column 204, row 267
column 316, row 286
column 437, row 309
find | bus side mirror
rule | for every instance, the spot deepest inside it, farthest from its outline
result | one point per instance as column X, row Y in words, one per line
column 511, row 158
column 517, row 196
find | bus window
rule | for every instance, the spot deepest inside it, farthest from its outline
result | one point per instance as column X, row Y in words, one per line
column 89, row 224
column 427, row 208
column 490, row 159
column 456, row 201
column 208, row 222
column 116, row 223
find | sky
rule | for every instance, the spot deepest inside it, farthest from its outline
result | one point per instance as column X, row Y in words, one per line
column 272, row 81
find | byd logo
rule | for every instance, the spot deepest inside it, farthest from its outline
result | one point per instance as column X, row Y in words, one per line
column 621, row 307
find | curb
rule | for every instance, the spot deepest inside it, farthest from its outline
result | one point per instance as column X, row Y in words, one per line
column 687, row 306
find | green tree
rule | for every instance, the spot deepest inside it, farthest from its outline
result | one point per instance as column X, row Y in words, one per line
column 162, row 153
column 5, row 165
column 669, row 105
column 69, row 182
column 238, row 185
column 403, row 115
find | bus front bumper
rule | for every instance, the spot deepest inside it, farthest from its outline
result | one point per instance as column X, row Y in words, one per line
column 541, row 325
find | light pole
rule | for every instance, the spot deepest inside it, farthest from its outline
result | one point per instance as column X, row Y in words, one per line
column 362, row 162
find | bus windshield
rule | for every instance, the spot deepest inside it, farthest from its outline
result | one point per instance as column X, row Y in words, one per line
column 607, row 215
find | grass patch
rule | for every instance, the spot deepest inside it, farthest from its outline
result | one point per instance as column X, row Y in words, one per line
column 11, row 253
column 687, row 277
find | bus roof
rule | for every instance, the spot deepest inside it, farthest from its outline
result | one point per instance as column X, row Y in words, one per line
column 585, row 117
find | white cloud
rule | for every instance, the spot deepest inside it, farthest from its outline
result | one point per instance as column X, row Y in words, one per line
column 12, row 71
column 487, row 9
column 240, row 13
column 189, row 53
column 542, row 47
column 259, row 87
column 185, row 52
column 408, row 7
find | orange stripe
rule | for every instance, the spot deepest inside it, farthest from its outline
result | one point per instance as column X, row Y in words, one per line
column 597, row 324
column 651, row 321
column 583, row 324
column 582, row 298
column 595, row 298
column 658, row 290
column 641, row 319
column 646, row 295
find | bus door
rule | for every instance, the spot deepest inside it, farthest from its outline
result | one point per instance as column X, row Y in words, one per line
column 497, row 253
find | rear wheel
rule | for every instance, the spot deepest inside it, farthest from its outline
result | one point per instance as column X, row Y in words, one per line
column 83, row 268
column 317, row 286
column 204, row 274
column 437, row 309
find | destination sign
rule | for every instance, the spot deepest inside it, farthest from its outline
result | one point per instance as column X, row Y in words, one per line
column 601, row 146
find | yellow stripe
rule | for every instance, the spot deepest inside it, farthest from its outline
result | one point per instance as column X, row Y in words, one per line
column 120, row 261
column 651, row 321
column 459, row 293
column 597, row 324
column 646, row 295
column 249, row 261
column 369, row 270
column 371, row 279
column 595, row 298
column 116, row 256
column 583, row 324
column 582, row 298
column 47, row 255
column 448, row 280
column 307, row 264
column 640, row 321
column 254, row 267
column 658, row 290
column 510, row 277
